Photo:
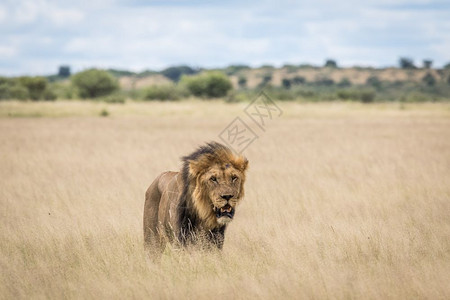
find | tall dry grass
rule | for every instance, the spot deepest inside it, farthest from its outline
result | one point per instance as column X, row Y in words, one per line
column 343, row 201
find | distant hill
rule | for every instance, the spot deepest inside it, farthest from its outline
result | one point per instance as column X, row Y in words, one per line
column 256, row 76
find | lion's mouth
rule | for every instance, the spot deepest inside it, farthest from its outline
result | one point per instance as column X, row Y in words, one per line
column 224, row 211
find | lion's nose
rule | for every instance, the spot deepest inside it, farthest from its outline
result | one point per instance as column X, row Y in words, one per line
column 227, row 197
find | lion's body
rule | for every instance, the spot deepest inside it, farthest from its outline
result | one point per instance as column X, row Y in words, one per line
column 181, row 207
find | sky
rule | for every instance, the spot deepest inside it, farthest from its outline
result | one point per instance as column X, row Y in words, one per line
column 38, row 36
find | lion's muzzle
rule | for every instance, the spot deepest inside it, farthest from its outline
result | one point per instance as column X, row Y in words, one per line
column 224, row 211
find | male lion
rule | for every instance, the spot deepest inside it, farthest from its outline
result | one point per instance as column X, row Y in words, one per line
column 197, row 203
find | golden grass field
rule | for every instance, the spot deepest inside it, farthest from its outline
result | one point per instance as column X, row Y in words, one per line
column 343, row 201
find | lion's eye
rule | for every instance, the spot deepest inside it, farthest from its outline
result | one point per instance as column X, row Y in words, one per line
column 213, row 179
column 234, row 178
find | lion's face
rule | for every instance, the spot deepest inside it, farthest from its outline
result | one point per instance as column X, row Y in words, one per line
column 223, row 184
column 219, row 186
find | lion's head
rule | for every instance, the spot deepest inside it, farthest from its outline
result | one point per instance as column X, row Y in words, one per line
column 215, row 180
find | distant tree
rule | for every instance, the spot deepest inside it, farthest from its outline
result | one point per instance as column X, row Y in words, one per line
column 330, row 63
column 406, row 63
column 242, row 82
column 175, row 73
column 120, row 73
column 64, row 71
column 286, row 83
column 324, row 81
column 233, row 69
column 374, row 81
column 345, row 82
column 429, row 79
column 267, row 66
column 94, row 83
column 298, row 80
column 266, row 79
column 447, row 66
column 427, row 63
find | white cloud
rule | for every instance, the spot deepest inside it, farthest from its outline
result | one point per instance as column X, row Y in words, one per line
column 45, row 33
column 32, row 11
column 7, row 51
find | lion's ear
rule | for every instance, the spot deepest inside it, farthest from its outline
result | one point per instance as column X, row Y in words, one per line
column 242, row 164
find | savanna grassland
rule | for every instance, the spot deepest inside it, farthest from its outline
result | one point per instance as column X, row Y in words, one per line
column 343, row 200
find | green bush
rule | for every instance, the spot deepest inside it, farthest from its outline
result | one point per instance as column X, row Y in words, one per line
column 63, row 90
column 19, row 92
column 210, row 85
column 24, row 88
column 365, row 95
column 36, row 86
column 114, row 98
column 94, row 83
column 49, row 95
column 163, row 92
column 347, row 94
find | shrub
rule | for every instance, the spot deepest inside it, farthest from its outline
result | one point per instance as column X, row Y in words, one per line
column 19, row 92
column 286, row 83
column 290, row 68
column 36, row 86
column 324, row 81
column 211, row 85
column 298, row 80
column 114, row 98
column 175, row 73
column 242, row 82
column 94, row 83
column 161, row 92
column 63, row 90
column 104, row 113
column 374, row 81
column 429, row 79
column 347, row 94
column 367, row 96
column 233, row 69
column 49, row 95
column 266, row 79
column 234, row 97
column 345, row 82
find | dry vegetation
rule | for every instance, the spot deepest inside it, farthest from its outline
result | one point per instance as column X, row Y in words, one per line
column 343, row 201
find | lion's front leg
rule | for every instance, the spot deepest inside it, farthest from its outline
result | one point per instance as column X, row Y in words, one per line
column 217, row 237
